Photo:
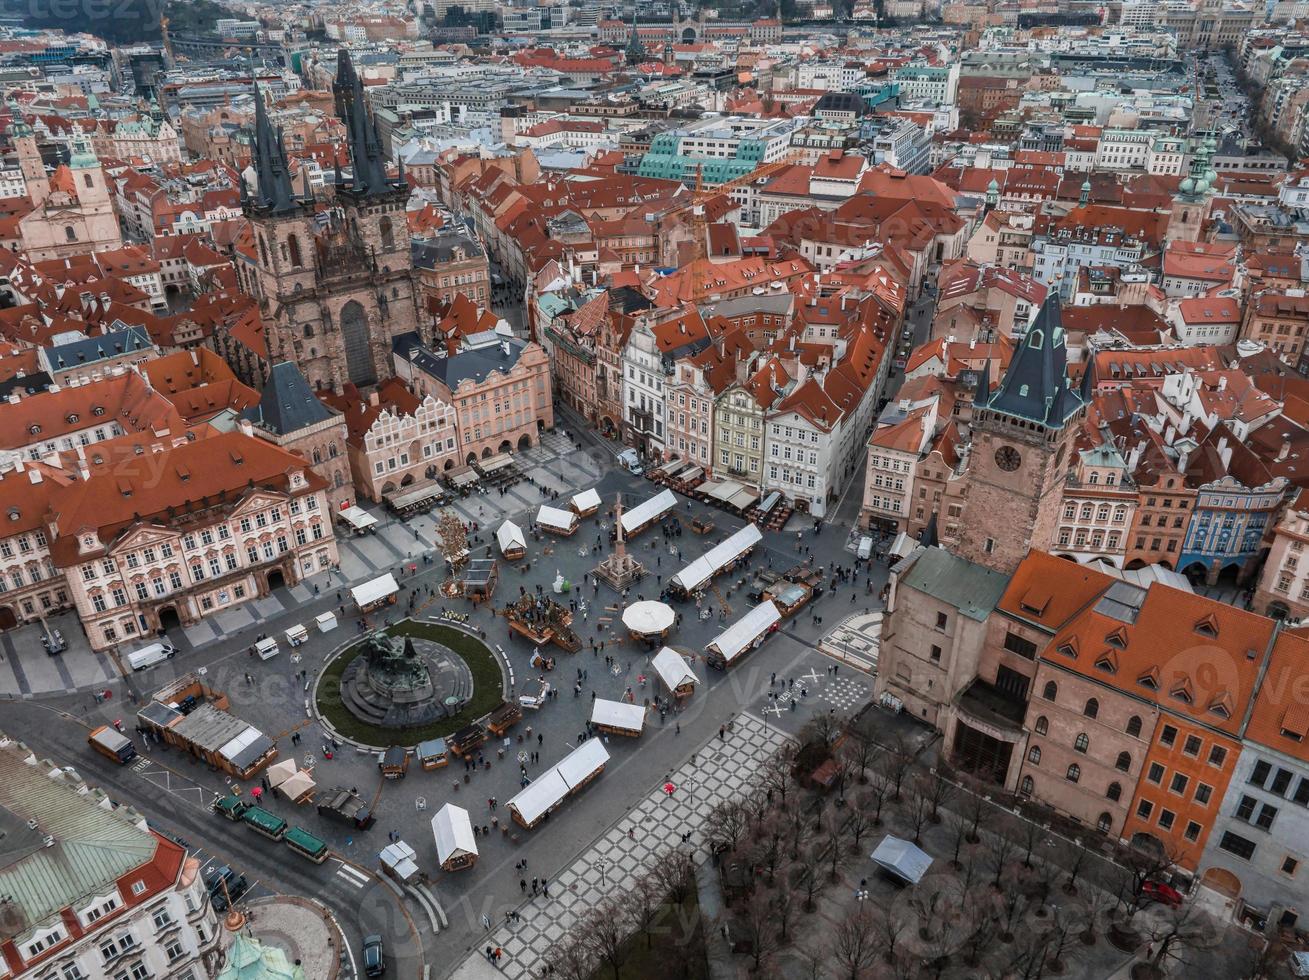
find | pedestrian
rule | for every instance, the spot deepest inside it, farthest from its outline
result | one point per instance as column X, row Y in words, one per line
column 522, row 885
column 722, row 733
column 490, row 953
column 545, row 888
column 678, row 729
column 540, row 739
column 534, row 886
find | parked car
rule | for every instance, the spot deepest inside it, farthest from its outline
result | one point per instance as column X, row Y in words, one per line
column 1157, row 891
column 221, row 896
column 374, row 957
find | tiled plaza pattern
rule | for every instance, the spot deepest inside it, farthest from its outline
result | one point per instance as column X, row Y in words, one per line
column 723, row 770
column 856, row 641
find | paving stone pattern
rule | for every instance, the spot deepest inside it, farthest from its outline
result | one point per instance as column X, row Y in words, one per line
column 723, row 770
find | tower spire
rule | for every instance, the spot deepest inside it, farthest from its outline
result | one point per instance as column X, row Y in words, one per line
column 272, row 172
column 367, row 162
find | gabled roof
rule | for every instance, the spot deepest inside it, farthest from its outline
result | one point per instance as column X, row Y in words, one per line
column 972, row 589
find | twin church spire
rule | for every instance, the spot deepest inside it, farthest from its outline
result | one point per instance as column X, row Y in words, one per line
column 273, row 193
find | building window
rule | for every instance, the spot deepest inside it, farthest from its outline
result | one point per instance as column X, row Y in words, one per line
column 1289, row 865
column 1178, row 784
column 1051, row 691
column 1104, row 823
column 1217, row 755
column 1166, row 819
column 1081, row 743
column 1026, row 786
column 1134, row 726
column 1192, row 745
column 1092, row 708
column 1042, row 725
column 1155, row 773
column 1144, row 809
column 1020, row 645
column 1114, row 792
column 1074, row 773
column 1238, row 845
column 1168, row 736
column 1192, row 832
column 1034, row 755
column 1124, row 762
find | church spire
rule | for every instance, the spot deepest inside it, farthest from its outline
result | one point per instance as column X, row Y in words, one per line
column 367, row 161
column 1035, row 386
column 272, row 172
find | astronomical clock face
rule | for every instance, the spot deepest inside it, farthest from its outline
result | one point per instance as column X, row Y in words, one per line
column 1008, row 458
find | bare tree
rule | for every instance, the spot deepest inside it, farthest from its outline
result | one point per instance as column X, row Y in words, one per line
column 939, row 790
column 768, row 851
column 833, row 840
column 605, row 932
column 999, row 851
column 805, row 876
column 799, row 828
column 895, row 763
column 1032, row 834
column 1095, row 906
column 775, row 777
column 784, row 903
column 958, row 824
column 822, row 729
column 889, row 925
column 758, row 928
column 860, row 821
column 978, row 810
column 1267, row 960
column 854, row 946
column 1178, row 931
column 674, row 871
column 1013, row 906
column 813, row 963
column 859, row 748
column 1080, row 855
column 1059, row 939
column 570, row 958
column 918, row 812
column 727, row 824
column 980, row 908
column 968, row 872
column 1144, row 865
column 647, row 898
column 876, row 791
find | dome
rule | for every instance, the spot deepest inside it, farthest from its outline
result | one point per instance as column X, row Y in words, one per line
column 1187, row 186
column 992, row 187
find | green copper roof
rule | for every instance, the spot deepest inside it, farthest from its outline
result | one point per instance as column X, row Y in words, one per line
column 249, row 959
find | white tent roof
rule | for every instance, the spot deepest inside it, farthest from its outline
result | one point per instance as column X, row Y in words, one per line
column 378, row 588
column 556, row 518
column 673, row 468
column 280, row 772
column 510, row 536
column 358, row 518
column 581, row 763
column 724, row 490
column 648, row 616
column 617, row 714
column 671, row 668
column 648, row 510
column 399, row 857
column 700, row 571
column 586, row 500
column 540, row 795
column 453, row 832
column 297, row 785
column 734, row 640
column 902, row 858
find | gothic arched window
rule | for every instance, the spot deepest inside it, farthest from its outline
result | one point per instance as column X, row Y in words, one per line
column 388, row 236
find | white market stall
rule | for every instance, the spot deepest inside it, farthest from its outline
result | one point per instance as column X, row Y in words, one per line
column 583, row 764
column 513, row 544
column 617, row 717
column 649, row 619
column 280, row 772
column 716, row 560
column 538, row 798
column 647, row 512
column 358, row 520
column 902, row 858
column 674, row 672
column 298, row 788
column 556, row 521
column 400, row 862
column 585, row 503
column 456, row 844
column 375, row 593
column 743, row 635
column 326, row 622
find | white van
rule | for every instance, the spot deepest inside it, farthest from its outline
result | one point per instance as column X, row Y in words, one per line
column 630, row 461
column 148, row 656
column 267, row 648
column 865, row 547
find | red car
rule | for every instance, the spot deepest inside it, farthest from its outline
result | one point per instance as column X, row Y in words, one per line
column 1163, row 894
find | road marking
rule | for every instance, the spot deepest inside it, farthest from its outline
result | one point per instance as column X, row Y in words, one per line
column 352, row 875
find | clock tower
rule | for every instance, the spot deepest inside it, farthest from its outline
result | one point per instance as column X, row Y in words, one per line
column 1022, row 435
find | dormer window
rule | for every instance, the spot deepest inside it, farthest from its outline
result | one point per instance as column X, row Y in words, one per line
column 1108, row 662
column 1183, row 691
column 1068, row 649
column 1118, row 638
column 1207, row 626
column 1149, row 679
column 1221, row 705
column 34, row 429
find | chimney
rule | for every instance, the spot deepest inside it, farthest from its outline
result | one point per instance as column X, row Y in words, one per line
column 34, row 475
column 373, row 399
column 1170, row 434
column 1222, row 382
column 1284, row 451
column 247, row 427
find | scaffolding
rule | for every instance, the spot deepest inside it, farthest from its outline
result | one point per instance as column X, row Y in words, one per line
column 618, row 569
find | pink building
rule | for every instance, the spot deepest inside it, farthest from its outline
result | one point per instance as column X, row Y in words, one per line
column 499, row 389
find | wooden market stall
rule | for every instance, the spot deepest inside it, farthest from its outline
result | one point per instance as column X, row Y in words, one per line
column 456, row 844
column 674, row 672
column 556, row 521
column 513, row 544
column 432, row 754
column 586, row 503
column 743, row 636
column 618, row 717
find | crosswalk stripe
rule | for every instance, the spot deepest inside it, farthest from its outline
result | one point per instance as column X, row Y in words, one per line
column 353, row 875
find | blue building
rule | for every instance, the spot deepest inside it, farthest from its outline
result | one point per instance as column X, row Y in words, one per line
column 1237, row 499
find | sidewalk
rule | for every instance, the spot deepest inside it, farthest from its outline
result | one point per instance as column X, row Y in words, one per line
column 723, row 769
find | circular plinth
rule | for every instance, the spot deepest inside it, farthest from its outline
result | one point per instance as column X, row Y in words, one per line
column 459, row 667
column 649, row 618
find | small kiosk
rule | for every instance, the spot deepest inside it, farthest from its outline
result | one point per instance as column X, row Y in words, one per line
column 513, row 545
column 618, row 717
column 375, row 593
column 296, row 635
column 743, row 636
column 467, row 740
column 358, row 520
column 674, row 672
column 649, row 620
column 456, row 845
column 432, row 754
column 586, row 503
column 556, row 521
column 504, row 718
column 394, row 762
column 400, row 862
